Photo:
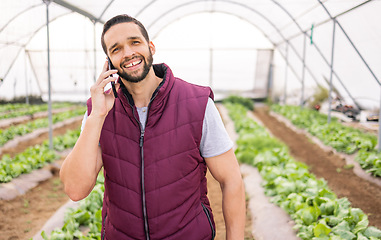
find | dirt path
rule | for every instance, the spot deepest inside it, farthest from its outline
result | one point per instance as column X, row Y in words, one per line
column 40, row 138
column 23, row 216
column 215, row 197
column 361, row 193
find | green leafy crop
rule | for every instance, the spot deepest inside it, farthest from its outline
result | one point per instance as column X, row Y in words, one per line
column 316, row 210
column 22, row 129
column 88, row 215
column 35, row 157
column 342, row 138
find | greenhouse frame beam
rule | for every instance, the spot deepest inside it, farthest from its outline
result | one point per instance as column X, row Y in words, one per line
column 366, row 64
column 317, row 48
column 303, row 70
column 77, row 10
column 219, row 11
column 337, row 76
column 23, row 46
column 19, row 14
column 353, row 45
column 11, row 66
column 15, row 43
column 33, row 70
column 326, row 21
column 331, row 75
column 290, row 67
column 285, row 77
column 50, row 117
column 264, row 17
column 271, row 23
column 105, row 9
column 145, row 7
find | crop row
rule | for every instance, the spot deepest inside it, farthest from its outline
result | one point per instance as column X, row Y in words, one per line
column 344, row 139
column 317, row 212
column 22, row 129
column 16, row 110
column 35, row 157
column 88, row 215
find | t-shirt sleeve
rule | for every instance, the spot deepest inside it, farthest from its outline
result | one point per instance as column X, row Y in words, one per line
column 215, row 139
column 84, row 121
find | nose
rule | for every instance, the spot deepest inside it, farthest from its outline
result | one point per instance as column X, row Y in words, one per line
column 128, row 52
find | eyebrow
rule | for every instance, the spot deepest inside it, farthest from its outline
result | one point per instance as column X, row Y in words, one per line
column 129, row 38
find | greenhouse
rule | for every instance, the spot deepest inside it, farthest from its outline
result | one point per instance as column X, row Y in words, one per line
column 297, row 85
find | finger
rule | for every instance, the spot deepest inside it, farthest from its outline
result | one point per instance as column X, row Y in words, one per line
column 105, row 73
column 105, row 66
column 104, row 69
column 106, row 81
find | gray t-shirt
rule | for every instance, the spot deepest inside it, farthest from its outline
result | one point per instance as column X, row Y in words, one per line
column 214, row 140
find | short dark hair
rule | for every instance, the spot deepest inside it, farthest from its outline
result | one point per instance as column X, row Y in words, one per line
column 121, row 19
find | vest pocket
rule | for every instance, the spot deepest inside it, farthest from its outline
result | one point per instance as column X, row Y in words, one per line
column 207, row 213
column 103, row 234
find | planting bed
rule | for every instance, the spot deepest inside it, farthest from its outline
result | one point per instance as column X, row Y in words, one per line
column 24, row 216
column 344, row 182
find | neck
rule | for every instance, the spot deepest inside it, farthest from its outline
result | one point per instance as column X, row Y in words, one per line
column 142, row 91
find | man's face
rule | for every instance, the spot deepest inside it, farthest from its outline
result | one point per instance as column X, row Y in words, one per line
column 128, row 50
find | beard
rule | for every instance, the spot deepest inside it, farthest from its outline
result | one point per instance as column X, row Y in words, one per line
column 134, row 77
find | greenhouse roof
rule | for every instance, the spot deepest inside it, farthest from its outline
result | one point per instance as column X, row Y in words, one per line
column 307, row 37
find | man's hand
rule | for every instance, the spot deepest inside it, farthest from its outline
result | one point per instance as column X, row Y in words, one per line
column 102, row 101
column 80, row 169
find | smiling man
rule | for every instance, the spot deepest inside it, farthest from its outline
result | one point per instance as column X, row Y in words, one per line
column 155, row 143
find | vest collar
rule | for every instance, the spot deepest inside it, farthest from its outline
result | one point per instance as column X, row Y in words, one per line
column 162, row 71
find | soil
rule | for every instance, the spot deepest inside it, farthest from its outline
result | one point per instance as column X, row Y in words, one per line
column 22, row 145
column 361, row 193
column 215, row 197
column 22, row 217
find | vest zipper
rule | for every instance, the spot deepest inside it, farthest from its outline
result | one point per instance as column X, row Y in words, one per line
column 141, row 141
column 104, row 228
column 207, row 213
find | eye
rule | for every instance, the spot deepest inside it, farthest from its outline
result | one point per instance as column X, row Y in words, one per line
column 114, row 50
column 135, row 42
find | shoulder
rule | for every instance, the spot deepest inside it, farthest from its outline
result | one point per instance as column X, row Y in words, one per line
column 187, row 88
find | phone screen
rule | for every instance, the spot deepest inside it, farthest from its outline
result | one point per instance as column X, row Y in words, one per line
column 110, row 66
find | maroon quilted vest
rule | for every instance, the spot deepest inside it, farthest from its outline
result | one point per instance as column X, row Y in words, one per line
column 155, row 184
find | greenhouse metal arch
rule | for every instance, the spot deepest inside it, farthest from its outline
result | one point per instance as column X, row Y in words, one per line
column 287, row 25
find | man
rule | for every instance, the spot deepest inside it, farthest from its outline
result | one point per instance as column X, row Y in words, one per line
column 155, row 142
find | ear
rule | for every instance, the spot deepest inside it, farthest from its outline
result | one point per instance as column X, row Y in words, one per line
column 152, row 47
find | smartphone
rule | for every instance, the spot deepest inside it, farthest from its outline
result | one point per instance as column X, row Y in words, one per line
column 110, row 66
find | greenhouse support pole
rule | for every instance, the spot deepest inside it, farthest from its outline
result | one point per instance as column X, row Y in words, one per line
column 47, row 2
column 304, row 70
column 211, row 67
column 95, row 52
column 331, row 75
column 285, row 77
column 26, row 80
column 379, row 127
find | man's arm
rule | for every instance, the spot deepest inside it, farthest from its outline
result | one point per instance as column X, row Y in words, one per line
column 80, row 169
column 225, row 169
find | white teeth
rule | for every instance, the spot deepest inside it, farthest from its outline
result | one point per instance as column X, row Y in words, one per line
column 132, row 64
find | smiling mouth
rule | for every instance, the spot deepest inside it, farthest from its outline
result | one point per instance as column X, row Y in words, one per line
column 131, row 64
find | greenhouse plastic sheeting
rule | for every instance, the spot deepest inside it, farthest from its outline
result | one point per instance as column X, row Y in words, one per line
column 311, row 43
